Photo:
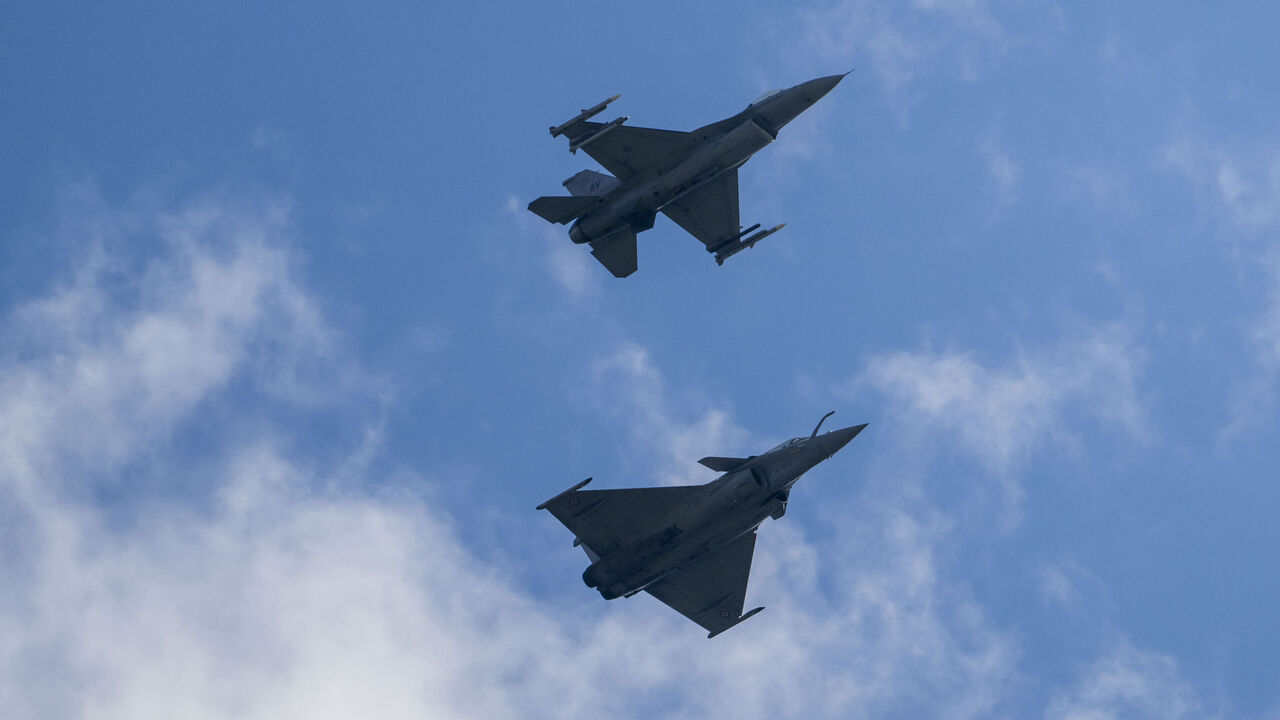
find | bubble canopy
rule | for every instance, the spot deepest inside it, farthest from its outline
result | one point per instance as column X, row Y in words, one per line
column 768, row 94
column 787, row 444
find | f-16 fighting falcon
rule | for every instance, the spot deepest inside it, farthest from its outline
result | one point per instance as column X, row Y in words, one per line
column 690, row 546
column 691, row 177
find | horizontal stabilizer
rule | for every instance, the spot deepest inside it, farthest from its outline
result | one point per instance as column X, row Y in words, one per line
column 723, row 464
column 560, row 209
column 617, row 253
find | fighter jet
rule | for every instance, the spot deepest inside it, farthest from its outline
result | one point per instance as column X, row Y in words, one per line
column 691, row 177
column 690, row 546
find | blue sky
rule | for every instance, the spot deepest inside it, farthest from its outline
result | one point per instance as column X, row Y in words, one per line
column 286, row 365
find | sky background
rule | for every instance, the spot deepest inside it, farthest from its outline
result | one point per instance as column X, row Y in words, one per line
column 285, row 364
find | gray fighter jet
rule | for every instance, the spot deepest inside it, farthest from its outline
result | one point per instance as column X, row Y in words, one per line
column 690, row 546
column 691, row 177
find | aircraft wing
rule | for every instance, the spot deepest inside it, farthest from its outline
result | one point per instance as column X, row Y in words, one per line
column 709, row 213
column 711, row 590
column 605, row 520
column 627, row 151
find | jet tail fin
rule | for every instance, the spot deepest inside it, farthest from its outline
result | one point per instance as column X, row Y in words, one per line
column 590, row 182
column 560, row 209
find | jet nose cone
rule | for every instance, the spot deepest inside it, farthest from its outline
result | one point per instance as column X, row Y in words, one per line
column 816, row 88
column 837, row 439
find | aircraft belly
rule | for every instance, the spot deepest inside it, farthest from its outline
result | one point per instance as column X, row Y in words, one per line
column 741, row 143
column 640, row 568
column 710, row 162
column 648, row 195
column 607, row 221
column 630, row 570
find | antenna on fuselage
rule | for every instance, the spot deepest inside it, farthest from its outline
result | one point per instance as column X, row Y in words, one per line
column 814, row 434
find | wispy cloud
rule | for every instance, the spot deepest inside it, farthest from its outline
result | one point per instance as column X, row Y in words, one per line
column 269, row 138
column 292, row 590
column 1000, row 414
column 570, row 265
column 127, row 347
column 1243, row 185
column 1128, row 683
column 899, row 44
column 1003, row 170
column 1070, row 586
column 635, row 388
column 1266, row 331
column 1240, row 186
column 1097, row 187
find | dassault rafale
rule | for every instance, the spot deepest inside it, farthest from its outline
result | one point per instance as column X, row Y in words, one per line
column 691, row 177
column 690, row 546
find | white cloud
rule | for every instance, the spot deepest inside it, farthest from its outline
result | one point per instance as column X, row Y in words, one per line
column 1004, row 171
column 1241, row 186
column 267, row 137
column 1254, row 394
column 1128, row 683
column 1266, row 331
column 293, row 591
column 123, row 356
column 901, row 43
column 1244, row 184
column 999, row 415
column 630, row 381
column 1100, row 188
column 282, row 602
column 1070, row 586
column 570, row 265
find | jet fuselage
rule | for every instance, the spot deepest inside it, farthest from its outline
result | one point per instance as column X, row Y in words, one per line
column 635, row 204
column 736, row 503
column 724, row 146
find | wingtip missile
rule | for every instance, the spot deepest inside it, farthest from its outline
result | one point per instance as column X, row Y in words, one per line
column 612, row 124
column 557, row 130
column 575, row 488
column 729, row 250
column 745, row 616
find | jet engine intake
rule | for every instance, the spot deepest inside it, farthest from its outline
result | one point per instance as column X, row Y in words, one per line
column 779, row 501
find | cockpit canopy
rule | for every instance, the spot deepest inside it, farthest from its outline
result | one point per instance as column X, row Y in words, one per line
column 765, row 96
column 790, row 443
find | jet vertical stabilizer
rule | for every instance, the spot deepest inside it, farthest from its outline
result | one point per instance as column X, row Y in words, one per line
column 590, row 183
